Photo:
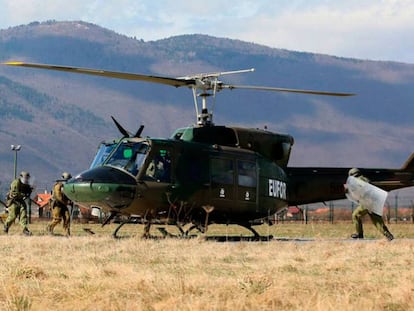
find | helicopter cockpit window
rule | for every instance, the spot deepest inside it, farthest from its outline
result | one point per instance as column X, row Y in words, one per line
column 159, row 168
column 129, row 156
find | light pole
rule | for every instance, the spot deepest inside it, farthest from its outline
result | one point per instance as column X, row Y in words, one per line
column 15, row 148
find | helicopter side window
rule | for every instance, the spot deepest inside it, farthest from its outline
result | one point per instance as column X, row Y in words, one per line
column 222, row 171
column 159, row 168
column 246, row 174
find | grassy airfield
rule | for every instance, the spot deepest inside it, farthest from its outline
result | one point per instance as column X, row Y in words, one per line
column 326, row 271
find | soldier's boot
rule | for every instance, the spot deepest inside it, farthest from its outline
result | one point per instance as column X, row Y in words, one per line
column 389, row 235
column 27, row 232
column 49, row 229
column 6, row 229
column 357, row 235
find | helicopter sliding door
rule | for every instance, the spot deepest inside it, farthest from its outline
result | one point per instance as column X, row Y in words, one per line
column 222, row 182
column 247, row 185
column 234, row 185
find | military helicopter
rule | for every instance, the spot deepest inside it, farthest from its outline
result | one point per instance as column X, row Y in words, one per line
column 207, row 174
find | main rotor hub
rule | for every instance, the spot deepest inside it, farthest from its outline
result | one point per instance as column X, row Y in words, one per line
column 204, row 118
column 207, row 85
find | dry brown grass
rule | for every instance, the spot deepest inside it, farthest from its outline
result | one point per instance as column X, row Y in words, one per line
column 96, row 272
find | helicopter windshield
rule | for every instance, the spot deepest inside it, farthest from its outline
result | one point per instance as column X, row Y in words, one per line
column 104, row 150
column 129, row 156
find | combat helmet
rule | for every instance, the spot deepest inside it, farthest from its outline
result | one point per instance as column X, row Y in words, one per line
column 66, row 176
column 354, row 172
column 24, row 177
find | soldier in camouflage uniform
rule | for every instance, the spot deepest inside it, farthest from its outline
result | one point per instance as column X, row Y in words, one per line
column 361, row 211
column 20, row 190
column 59, row 206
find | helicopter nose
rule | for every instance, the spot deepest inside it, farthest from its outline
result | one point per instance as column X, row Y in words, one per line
column 106, row 187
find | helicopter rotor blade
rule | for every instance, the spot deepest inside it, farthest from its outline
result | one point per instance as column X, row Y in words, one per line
column 200, row 81
column 123, row 131
column 277, row 89
column 177, row 82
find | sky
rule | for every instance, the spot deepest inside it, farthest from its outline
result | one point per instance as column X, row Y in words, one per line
column 363, row 29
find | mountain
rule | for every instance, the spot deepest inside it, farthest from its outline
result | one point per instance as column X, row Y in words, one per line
column 59, row 118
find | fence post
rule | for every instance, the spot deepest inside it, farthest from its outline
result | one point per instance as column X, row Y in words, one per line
column 331, row 212
column 396, row 207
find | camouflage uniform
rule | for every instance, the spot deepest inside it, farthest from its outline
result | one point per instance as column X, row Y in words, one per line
column 20, row 190
column 361, row 211
column 59, row 206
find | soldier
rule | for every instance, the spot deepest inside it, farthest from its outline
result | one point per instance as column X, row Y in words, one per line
column 20, row 190
column 361, row 211
column 59, row 205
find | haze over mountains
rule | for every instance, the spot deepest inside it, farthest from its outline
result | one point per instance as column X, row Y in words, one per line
column 59, row 118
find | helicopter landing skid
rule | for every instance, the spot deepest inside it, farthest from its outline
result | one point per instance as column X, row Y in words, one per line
column 166, row 234
column 185, row 235
column 260, row 238
column 233, row 238
column 255, row 238
column 114, row 234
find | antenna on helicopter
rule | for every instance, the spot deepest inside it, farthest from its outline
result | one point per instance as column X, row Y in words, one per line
column 124, row 132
